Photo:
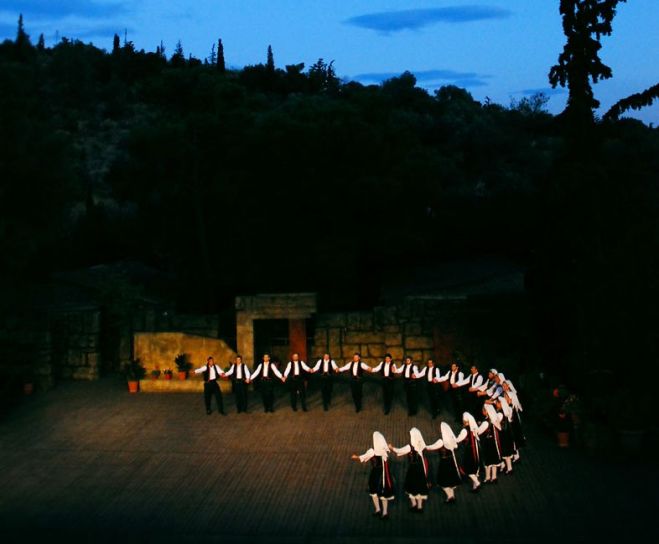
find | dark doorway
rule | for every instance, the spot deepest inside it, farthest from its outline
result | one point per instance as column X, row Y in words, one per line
column 271, row 336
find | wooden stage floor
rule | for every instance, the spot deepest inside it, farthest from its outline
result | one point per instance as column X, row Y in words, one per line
column 90, row 462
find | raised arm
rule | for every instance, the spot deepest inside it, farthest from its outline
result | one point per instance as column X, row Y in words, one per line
column 435, row 445
column 461, row 436
column 401, row 451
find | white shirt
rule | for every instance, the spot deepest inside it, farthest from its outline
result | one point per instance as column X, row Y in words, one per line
column 457, row 378
column 326, row 364
column 355, row 367
column 387, row 368
column 214, row 371
column 409, row 371
column 475, row 382
column 267, row 369
column 431, row 374
column 295, row 366
column 241, row 371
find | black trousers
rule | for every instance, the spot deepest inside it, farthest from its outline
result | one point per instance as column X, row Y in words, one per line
column 387, row 393
column 356, row 390
column 326, row 383
column 455, row 394
column 267, row 386
column 212, row 389
column 433, row 391
column 297, row 387
column 240, row 390
column 412, row 399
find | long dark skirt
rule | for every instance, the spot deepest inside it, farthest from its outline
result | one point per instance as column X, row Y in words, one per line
column 448, row 474
column 380, row 481
column 416, row 480
column 470, row 454
column 507, row 442
column 489, row 451
column 518, row 433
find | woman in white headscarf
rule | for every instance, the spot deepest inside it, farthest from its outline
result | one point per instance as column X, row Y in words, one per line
column 380, row 481
column 417, row 479
column 506, row 435
column 518, row 434
column 448, row 472
column 490, row 443
column 471, row 457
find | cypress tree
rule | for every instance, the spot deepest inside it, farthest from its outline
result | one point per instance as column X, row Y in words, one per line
column 116, row 44
column 270, row 64
column 41, row 44
column 221, row 67
column 178, row 58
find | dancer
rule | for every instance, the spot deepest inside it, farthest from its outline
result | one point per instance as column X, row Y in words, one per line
column 410, row 374
column 490, row 443
column 327, row 367
column 296, row 369
column 507, row 441
column 356, row 367
column 380, row 481
column 212, row 373
column 518, row 433
column 239, row 374
column 472, row 402
column 471, row 458
column 417, row 478
column 388, row 370
column 266, row 374
column 432, row 377
column 448, row 472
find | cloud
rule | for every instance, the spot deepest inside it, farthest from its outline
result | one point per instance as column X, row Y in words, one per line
column 431, row 79
column 544, row 90
column 62, row 8
column 414, row 19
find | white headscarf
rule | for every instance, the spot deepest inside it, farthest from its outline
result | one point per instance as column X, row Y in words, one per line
column 450, row 443
column 506, row 409
column 416, row 440
column 380, row 445
column 515, row 400
column 493, row 416
column 473, row 426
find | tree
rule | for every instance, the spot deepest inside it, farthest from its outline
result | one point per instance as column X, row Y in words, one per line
column 270, row 64
column 221, row 67
column 116, row 44
column 635, row 101
column 584, row 23
column 178, row 58
column 41, row 44
column 322, row 76
column 22, row 44
column 212, row 58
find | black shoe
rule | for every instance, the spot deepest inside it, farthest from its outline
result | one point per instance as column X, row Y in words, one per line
column 377, row 514
column 295, row 409
column 208, row 412
column 385, row 517
column 221, row 412
column 304, row 409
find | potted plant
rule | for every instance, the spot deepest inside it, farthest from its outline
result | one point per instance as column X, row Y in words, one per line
column 183, row 365
column 28, row 383
column 167, row 373
column 563, row 428
column 135, row 372
column 155, row 374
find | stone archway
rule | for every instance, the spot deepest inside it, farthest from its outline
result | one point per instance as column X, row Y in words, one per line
column 295, row 307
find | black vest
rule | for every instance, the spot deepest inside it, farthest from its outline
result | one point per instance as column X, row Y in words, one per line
column 359, row 370
column 206, row 373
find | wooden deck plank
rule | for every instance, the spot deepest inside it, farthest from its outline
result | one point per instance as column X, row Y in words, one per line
column 90, row 460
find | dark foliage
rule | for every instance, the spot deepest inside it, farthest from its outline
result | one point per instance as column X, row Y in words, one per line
column 266, row 179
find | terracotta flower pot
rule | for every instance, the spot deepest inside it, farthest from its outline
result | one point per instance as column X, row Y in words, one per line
column 563, row 438
column 168, row 376
column 182, row 375
column 28, row 388
column 132, row 386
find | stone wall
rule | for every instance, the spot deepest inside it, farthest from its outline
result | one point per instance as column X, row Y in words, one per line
column 157, row 350
column 76, row 344
column 484, row 331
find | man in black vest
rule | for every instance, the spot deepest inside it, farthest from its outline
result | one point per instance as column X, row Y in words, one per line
column 294, row 373
column 212, row 374
column 239, row 374
column 327, row 367
column 266, row 374
column 431, row 376
column 472, row 403
column 410, row 374
column 356, row 367
column 388, row 370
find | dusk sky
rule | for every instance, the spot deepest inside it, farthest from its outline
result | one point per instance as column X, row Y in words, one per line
column 501, row 49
